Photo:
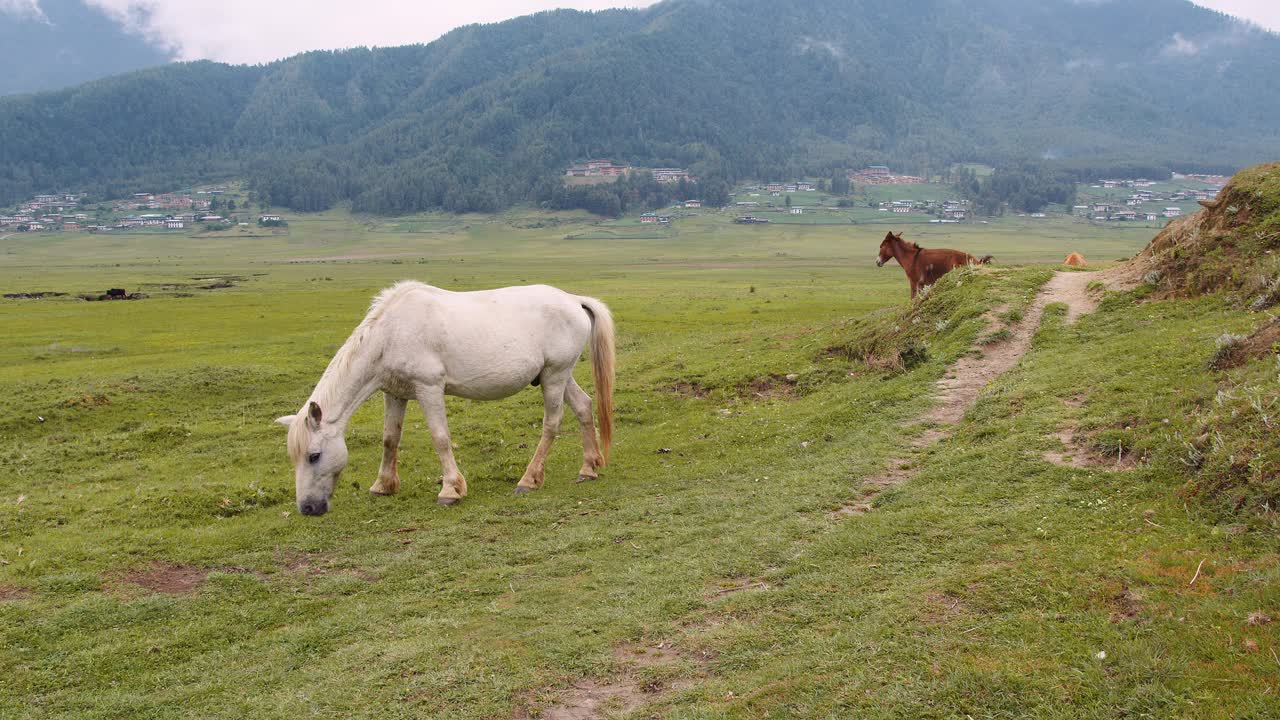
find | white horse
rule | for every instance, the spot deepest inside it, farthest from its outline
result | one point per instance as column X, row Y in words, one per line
column 422, row 342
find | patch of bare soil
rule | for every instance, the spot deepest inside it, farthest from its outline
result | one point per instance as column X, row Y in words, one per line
column 897, row 473
column 350, row 256
column 1077, row 454
column 1263, row 341
column 940, row 607
column 966, row 379
column 1127, row 606
column 690, row 389
column 318, row 565
column 636, row 682
column 166, row 578
column 771, row 387
column 33, row 295
column 9, row 593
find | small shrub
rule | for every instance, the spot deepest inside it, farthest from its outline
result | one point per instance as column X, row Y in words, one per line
column 1269, row 297
column 1152, row 278
column 1229, row 353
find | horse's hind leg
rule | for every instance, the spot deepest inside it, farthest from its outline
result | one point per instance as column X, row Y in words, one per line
column 454, row 485
column 580, row 402
column 392, row 424
column 553, row 389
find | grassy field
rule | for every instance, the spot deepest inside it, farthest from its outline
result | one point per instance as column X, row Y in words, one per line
column 152, row 563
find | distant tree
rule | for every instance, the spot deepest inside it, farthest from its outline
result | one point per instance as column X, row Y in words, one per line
column 839, row 182
column 788, row 201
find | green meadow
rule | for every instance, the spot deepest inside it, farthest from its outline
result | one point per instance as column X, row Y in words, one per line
column 153, row 564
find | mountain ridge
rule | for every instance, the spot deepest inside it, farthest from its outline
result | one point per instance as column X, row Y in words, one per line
column 489, row 114
column 67, row 42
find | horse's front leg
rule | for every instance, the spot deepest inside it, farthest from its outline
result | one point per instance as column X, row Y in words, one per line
column 454, row 485
column 552, row 412
column 393, row 423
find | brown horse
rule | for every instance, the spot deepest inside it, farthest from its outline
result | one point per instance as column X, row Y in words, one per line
column 923, row 267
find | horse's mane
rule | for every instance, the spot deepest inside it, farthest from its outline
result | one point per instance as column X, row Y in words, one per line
column 340, row 366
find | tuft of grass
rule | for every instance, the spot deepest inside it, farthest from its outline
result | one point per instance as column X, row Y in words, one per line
column 1228, row 352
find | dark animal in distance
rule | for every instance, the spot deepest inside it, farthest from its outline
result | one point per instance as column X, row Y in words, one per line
column 923, row 266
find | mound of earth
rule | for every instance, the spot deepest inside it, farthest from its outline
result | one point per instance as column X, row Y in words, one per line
column 1232, row 244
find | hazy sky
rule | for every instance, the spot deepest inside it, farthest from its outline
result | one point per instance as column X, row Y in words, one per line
column 262, row 30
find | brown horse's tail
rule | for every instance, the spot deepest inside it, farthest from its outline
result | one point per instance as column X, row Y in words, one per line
column 602, row 368
column 986, row 260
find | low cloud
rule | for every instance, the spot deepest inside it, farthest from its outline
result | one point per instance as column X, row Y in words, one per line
column 1179, row 46
column 807, row 43
column 252, row 31
column 27, row 9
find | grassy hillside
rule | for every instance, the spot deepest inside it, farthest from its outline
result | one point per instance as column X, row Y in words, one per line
column 152, row 561
column 487, row 115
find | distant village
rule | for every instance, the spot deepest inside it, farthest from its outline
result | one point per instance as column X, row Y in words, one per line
column 64, row 212
column 1136, row 207
column 190, row 209
column 610, row 169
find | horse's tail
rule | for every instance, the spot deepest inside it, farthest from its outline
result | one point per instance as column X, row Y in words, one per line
column 602, row 368
column 986, row 260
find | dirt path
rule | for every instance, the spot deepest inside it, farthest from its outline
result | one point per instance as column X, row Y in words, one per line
column 627, row 690
column 959, row 389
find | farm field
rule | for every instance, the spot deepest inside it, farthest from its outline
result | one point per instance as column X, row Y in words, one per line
column 152, row 562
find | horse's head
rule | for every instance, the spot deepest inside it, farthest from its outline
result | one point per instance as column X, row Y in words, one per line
column 886, row 248
column 319, row 453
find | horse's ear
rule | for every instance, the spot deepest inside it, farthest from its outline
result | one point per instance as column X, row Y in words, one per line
column 898, row 235
column 313, row 415
column 286, row 420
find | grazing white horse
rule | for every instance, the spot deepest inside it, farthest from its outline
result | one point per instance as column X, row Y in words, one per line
column 422, row 342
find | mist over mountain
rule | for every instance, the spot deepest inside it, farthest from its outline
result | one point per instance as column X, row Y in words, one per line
column 489, row 115
column 65, row 42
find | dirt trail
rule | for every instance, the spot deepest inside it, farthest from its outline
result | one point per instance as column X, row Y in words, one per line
column 627, row 690
column 958, row 390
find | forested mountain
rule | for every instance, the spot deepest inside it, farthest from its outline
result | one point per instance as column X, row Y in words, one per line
column 59, row 43
column 491, row 114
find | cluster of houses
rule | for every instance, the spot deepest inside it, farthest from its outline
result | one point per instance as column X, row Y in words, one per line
column 1142, row 196
column 882, row 175
column 656, row 218
column 671, row 175
column 166, row 201
column 598, row 168
column 1218, row 180
column 44, row 212
column 610, row 169
column 946, row 211
column 776, row 189
column 1106, row 212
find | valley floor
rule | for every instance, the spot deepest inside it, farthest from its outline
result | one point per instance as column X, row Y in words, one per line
column 784, row 531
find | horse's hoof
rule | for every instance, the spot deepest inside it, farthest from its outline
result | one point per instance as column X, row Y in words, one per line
column 522, row 490
column 379, row 494
column 586, row 478
column 447, row 502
